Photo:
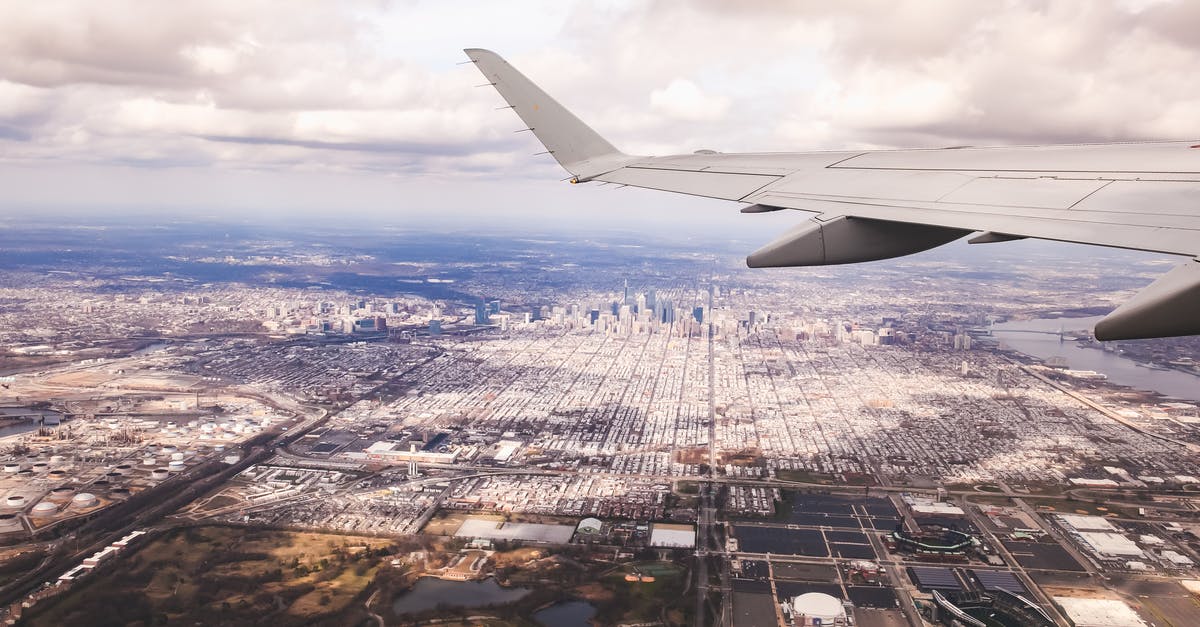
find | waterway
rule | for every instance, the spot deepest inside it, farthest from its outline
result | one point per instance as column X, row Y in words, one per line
column 1120, row 370
column 429, row 593
column 152, row 348
column 16, row 426
column 566, row 614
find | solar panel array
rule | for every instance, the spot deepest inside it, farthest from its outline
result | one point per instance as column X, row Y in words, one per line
column 930, row 578
column 993, row 580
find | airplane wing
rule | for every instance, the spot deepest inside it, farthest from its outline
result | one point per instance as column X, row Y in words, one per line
column 870, row 205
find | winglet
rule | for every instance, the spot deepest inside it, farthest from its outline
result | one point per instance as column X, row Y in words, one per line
column 576, row 147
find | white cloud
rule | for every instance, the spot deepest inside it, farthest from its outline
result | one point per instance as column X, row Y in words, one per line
column 682, row 99
column 370, row 88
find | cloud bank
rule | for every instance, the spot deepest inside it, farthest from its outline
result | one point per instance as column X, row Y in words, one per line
column 116, row 93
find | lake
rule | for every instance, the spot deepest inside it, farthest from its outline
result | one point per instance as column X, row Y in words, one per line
column 1120, row 370
column 429, row 593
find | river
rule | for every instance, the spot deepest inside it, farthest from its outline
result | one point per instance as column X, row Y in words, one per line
column 1120, row 370
column 17, row 426
column 151, row 348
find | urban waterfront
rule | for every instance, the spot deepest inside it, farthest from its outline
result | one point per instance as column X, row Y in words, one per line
column 1119, row 370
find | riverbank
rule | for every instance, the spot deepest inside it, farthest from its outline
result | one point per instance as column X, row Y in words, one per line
column 1040, row 338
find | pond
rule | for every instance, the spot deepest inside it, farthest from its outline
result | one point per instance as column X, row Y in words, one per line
column 429, row 593
column 566, row 614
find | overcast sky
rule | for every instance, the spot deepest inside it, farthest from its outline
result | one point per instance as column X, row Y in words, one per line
column 344, row 109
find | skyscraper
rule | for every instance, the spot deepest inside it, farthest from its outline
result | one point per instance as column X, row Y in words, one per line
column 481, row 314
column 668, row 312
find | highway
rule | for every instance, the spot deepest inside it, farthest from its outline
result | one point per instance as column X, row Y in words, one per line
column 707, row 542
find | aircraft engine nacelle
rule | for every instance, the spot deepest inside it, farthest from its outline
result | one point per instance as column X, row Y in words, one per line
column 822, row 242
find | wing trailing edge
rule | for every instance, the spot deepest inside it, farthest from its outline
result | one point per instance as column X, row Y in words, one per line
column 1165, row 308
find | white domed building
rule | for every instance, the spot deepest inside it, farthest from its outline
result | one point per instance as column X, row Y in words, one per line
column 817, row 609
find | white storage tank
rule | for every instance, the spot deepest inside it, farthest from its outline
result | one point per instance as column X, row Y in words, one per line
column 84, row 500
column 44, row 509
column 149, row 461
column 177, row 456
column 158, row 474
column 175, row 466
column 15, row 500
column 12, row 467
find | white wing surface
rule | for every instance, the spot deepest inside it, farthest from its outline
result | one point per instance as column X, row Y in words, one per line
column 879, row 204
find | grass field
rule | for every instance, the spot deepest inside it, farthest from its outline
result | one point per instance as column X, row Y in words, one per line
column 234, row 576
column 804, row 476
column 658, row 600
column 445, row 523
column 228, row 575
